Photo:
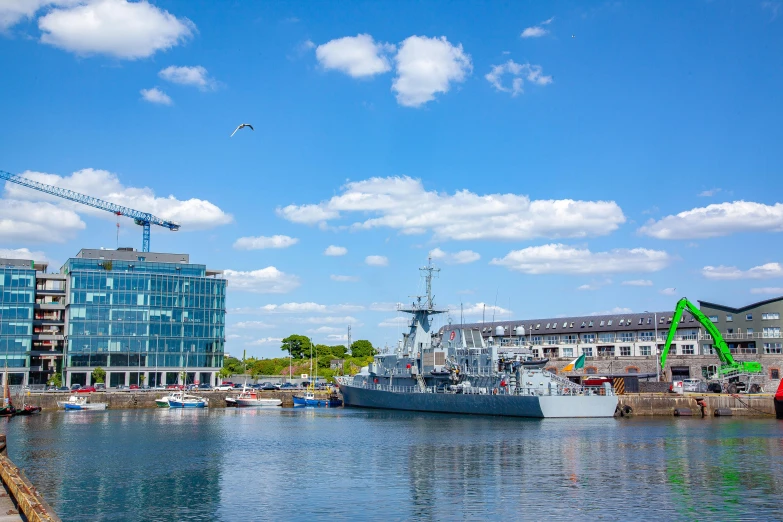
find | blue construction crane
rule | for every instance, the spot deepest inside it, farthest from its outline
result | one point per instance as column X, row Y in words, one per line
column 140, row 218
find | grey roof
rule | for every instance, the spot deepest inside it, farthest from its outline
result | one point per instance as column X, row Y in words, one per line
column 741, row 309
column 129, row 254
column 567, row 325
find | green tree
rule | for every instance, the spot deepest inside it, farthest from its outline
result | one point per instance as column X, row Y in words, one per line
column 55, row 380
column 298, row 346
column 225, row 372
column 263, row 367
column 99, row 375
column 339, row 351
column 362, row 348
column 234, row 365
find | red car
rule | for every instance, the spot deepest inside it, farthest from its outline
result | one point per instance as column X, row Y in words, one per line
column 86, row 389
column 174, row 387
column 133, row 387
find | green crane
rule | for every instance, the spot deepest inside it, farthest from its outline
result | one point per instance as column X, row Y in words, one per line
column 729, row 368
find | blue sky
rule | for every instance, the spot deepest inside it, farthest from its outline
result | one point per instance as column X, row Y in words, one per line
column 559, row 158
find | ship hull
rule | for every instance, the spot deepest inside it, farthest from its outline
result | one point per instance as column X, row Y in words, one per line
column 554, row 406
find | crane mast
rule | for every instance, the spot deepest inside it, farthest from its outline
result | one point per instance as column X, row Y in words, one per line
column 143, row 219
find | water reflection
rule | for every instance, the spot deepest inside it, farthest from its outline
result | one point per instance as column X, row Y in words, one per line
column 360, row 464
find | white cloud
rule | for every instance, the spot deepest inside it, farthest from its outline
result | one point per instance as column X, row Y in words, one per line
column 765, row 271
column 192, row 214
column 325, row 330
column 23, row 253
column 767, row 290
column 402, row 203
column 384, row 307
column 155, row 95
column 614, row 311
column 298, row 308
column 265, row 340
column 457, row 258
column 262, row 242
column 332, row 250
column 331, row 320
column 376, row 260
column 252, row 325
column 13, row 11
column 479, row 309
column 537, row 31
column 669, row 291
column 427, row 66
column 358, row 56
column 184, row 75
column 563, row 259
column 519, row 73
column 37, row 222
column 637, row 282
column 126, row 30
column 720, row 219
column 394, row 322
column 337, row 337
column 708, row 193
column 267, row 280
column 344, row 278
column 594, row 285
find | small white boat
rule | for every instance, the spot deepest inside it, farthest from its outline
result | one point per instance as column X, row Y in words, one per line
column 250, row 399
column 76, row 402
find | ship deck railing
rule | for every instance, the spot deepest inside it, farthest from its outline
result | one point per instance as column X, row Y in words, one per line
column 536, row 391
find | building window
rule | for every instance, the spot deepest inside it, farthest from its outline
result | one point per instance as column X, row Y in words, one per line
column 568, row 352
column 605, row 351
column 769, row 316
column 625, row 351
column 565, row 325
column 729, row 330
column 709, row 371
column 773, row 348
column 602, row 323
column 588, row 338
column 606, row 337
column 706, row 349
column 770, row 331
column 588, row 351
column 590, row 325
column 750, row 332
column 729, row 318
column 539, row 324
column 687, row 349
column 621, row 322
column 774, row 373
column 626, row 337
column 645, row 350
column 646, row 336
column 591, row 370
column 714, row 318
column 749, row 317
column 609, row 322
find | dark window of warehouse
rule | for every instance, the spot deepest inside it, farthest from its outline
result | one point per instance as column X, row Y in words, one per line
column 774, row 373
column 749, row 317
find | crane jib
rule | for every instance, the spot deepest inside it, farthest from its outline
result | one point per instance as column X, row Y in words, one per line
column 143, row 219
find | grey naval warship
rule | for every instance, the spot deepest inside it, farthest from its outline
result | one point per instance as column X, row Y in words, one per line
column 460, row 372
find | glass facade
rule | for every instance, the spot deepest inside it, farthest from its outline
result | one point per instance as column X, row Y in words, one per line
column 17, row 298
column 143, row 316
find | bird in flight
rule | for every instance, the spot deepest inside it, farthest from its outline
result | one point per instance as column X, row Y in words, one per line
column 242, row 126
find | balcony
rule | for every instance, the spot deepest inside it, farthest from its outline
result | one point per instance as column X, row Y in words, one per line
column 48, row 336
column 49, row 306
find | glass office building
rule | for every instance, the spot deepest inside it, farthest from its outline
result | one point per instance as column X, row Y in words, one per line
column 145, row 318
column 17, row 298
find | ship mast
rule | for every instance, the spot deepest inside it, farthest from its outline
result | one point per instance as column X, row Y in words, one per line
column 428, row 278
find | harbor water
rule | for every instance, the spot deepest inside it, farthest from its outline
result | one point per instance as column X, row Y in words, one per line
column 354, row 464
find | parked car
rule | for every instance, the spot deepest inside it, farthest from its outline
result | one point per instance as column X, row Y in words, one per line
column 63, row 389
column 287, row 386
column 51, row 388
column 133, row 387
column 101, row 386
column 75, row 387
column 174, row 386
column 225, row 387
column 86, row 389
column 268, row 386
column 204, row 386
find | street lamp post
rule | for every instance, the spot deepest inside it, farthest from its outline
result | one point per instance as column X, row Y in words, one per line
column 657, row 359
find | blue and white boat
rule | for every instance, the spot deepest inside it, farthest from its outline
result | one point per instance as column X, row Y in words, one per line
column 187, row 401
column 76, row 403
column 309, row 399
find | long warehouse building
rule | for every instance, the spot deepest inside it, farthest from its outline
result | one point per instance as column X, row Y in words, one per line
column 144, row 317
column 626, row 343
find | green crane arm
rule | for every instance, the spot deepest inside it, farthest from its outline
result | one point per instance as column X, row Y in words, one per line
column 721, row 348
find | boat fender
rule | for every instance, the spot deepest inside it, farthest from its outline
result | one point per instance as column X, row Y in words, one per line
column 494, row 391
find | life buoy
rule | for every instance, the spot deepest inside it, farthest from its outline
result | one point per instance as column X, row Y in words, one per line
column 453, row 335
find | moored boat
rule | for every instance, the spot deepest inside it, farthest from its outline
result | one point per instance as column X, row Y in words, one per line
column 80, row 402
column 460, row 372
column 28, row 409
column 309, row 399
column 251, row 399
column 183, row 401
